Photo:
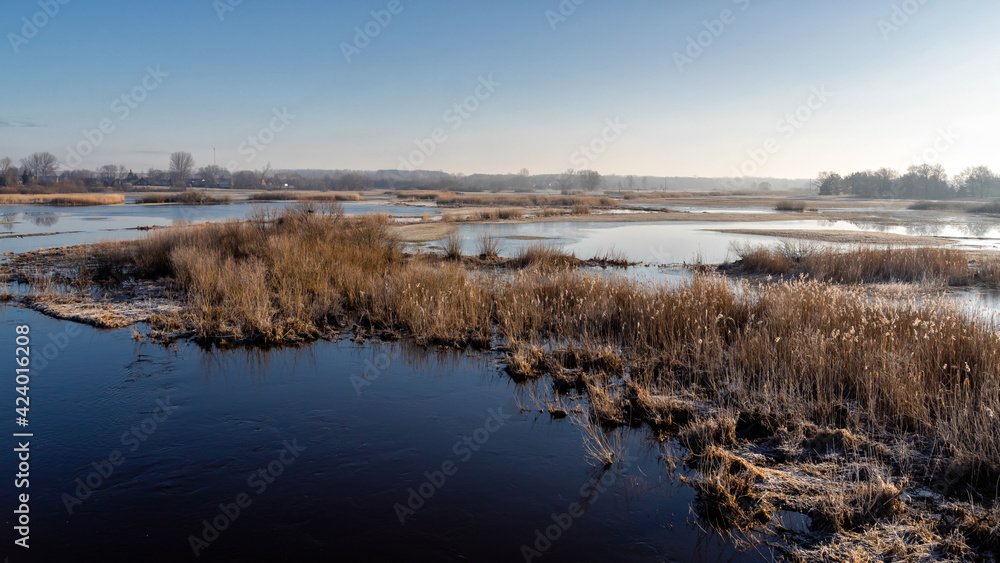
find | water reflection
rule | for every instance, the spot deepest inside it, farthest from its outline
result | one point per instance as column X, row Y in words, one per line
column 45, row 220
column 950, row 228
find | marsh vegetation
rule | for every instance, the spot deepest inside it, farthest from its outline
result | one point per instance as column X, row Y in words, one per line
column 781, row 392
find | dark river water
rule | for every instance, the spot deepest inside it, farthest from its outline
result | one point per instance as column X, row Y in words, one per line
column 329, row 452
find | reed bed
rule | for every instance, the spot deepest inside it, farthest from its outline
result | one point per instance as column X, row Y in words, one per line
column 420, row 195
column 501, row 214
column 657, row 195
column 807, row 347
column 991, row 208
column 523, row 200
column 960, row 206
column 295, row 196
column 186, row 198
column 863, row 264
column 790, row 205
column 62, row 200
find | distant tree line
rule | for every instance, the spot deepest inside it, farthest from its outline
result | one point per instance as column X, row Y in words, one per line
column 923, row 181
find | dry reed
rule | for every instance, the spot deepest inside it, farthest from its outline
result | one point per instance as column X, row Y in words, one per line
column 859, row 264
column 62, row 200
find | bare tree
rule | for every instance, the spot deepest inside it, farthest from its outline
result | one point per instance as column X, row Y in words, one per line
column 567, row 181
column 976, row 181
column 40, row 164
column 523, row 180
column 211, row 174
column 244, row 179
column 886, row 179
column 261, row 175
column 8, row 172
column 590, row 180
column 108, row 172
column 181, row 168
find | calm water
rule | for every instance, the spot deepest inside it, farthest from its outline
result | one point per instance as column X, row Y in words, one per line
column 79, row 225
column 224, row 416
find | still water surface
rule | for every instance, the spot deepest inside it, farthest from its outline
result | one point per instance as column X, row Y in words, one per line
column 236, row 412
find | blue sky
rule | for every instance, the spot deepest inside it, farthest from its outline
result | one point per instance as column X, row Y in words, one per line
column 924, row 89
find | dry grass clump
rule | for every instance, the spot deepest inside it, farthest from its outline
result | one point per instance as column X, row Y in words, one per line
column 545, row 257
column 62, row 200
column 760, row 259
column 604, row 447
column 186, row 198
column 790, row 205
column 505, row 214
column 726, row 492
column 453, row 246
column 854, row 506
column 295, row 196
column 612, row 257
column 860, row 264
column 489, row 246
column 699, row 436
column 581, row 209
column 525, row 362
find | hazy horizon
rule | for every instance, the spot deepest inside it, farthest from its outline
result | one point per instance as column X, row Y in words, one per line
column 873, row 84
